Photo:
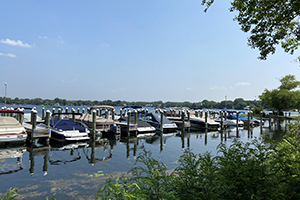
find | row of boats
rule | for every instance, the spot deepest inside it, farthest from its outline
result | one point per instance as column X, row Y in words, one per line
column 64, row 126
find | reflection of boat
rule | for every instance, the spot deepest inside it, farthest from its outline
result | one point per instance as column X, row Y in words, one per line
column 156, row 138
column 7, row 153
column 154, row 119
column 63, row 148
column 65, row 130
column 11, row 130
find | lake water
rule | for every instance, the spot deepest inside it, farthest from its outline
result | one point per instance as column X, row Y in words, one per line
column 72, row 172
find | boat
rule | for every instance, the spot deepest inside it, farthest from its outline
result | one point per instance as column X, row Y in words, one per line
column 154, row 119
column 178, row 121
column 141, row 128
column 198, row 123
column 230, row 122
column 11, row 130
column 40, row 129
column 104, row 125
column 66, row 130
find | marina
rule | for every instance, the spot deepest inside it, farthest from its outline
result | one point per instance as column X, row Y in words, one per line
column 76, row 170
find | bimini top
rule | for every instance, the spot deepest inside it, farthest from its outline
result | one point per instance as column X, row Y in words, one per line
column 132, row 106
column 66, row 125
column 102, row 107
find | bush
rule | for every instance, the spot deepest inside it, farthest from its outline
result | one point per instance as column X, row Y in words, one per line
column 252, row 170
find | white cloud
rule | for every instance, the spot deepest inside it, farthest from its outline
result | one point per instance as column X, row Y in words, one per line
column 43, row 37
column 61, row 39
column 242, row 84
column 218, row 88
column 8, row 55
column 188, row 88
column 15, row 43
column 105, row 44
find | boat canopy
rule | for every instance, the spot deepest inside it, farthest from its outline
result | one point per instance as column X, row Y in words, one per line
column 65, row 125
column 102, row 107
column 132, row 106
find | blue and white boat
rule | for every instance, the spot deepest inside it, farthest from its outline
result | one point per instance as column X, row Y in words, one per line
column 65, row 130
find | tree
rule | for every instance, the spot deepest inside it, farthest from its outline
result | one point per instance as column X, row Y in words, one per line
column 239, row 103
column 270, row 22
column 285, row 97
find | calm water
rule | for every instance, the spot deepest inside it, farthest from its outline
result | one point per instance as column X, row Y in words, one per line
column 69, row 171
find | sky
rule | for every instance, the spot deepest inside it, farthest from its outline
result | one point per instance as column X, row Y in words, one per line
column 158, row 50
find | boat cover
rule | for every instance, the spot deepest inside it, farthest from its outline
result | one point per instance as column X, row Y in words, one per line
column 9, row 122
column 132, row 106
column 65, row 125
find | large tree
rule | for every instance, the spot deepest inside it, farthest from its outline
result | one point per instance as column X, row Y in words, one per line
column 270, row 23
column 285, row 97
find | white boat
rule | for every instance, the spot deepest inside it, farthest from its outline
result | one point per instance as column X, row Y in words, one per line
column 11, row 130
column 66, row 130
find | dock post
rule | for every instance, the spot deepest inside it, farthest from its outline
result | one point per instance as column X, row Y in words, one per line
column 201, row 113
column 113, row 114
column 88, row 110
column 94, row 122
column 135, row 113
column 221, row 116
column 206, row 115
column 73, row 114
column 161, row 122
column 270, row 118
column 100, row 112
column 261, row 115
column 106, row 114
column 128, row 123
column 121, row 112
column 147, row 111
column 248, row 118
column 67, row 109
column 53, row 111
column 43, row 114
column 47, row 120
column 135, row 116
column 237, row 119
column 78, row 110
column 182, row 120
column 188, row 119
column 83, row 110
column 33, row 123
column 59, row 111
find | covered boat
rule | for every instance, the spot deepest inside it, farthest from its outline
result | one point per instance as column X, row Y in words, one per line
column 102, row 124
column 11, row 130
column 65, row 130
column 154, row 119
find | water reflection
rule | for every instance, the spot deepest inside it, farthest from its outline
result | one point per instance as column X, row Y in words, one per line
column 11, row 159
column 97, row 144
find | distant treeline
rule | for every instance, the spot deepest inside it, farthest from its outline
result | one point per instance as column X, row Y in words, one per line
column 238, row 103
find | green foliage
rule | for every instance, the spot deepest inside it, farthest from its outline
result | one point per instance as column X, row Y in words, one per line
column 285, row 97
column 10, row 194
column 253, row 170
column 269, row 23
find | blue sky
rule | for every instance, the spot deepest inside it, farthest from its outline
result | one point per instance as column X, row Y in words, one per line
column 131, row 50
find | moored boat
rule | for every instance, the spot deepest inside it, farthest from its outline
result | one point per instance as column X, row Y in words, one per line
column 11, row 130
